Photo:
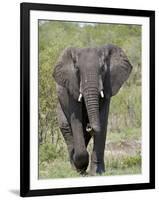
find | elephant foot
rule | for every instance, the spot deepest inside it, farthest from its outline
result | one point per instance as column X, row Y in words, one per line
column 82, row 172
column 71, row 159
column 81, row 161
column 97, row 169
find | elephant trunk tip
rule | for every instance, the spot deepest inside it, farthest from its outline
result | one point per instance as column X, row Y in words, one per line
column 96, row 128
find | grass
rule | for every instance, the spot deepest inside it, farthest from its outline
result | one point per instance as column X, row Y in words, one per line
column 57, row 168
column 126, row 134
column 62, row 169
column 122, row 156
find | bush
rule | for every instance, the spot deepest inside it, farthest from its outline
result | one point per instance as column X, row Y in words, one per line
column 47, row 152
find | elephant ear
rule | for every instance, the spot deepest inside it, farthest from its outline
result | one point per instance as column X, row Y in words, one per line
column 65, row 73
column 118, row 68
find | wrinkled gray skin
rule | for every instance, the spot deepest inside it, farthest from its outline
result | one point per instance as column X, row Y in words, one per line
column 86, row 72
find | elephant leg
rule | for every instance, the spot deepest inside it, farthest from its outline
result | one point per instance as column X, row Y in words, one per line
column 81, row 156
column 66, row 132
column 97, row 159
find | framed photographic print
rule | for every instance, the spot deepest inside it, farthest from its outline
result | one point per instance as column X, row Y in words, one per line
column 87, row 99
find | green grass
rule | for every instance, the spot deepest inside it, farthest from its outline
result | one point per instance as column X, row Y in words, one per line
column 122, row 157
column 114, row 166
column 57, row 169
column 126, row 134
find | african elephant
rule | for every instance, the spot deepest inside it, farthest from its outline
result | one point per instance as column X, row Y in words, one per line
column 86, row 79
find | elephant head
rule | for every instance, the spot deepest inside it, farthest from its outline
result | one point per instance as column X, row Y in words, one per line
column 92, row 73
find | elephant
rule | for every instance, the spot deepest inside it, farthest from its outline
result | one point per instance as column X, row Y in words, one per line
column 86, row 79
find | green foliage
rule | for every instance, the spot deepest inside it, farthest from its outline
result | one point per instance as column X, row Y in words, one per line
column 47, row 153
column 131, row 161
column 123, row 163
column 115, row 165
column 125, row 110
column 57, row 168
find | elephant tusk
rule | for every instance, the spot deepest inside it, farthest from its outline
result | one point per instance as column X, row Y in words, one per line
column 102, row 94
column 80, row 97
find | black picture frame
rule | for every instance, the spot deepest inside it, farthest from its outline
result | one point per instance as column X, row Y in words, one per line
column 25, row 9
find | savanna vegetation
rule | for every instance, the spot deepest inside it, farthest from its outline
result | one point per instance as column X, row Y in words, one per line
column 123, row 145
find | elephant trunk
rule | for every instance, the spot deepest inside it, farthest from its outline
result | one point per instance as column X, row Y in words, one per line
column 91, row 98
